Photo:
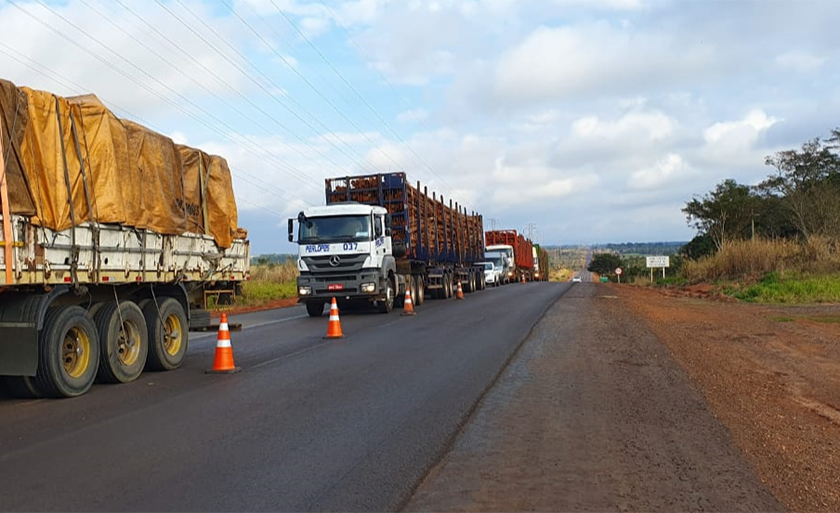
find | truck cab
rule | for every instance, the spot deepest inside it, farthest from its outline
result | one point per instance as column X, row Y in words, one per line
column 344, row 251
column 502, row 256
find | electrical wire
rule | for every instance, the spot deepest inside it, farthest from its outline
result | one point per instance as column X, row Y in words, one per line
column 270, row 94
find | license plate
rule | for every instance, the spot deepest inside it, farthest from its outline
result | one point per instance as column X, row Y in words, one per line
column 335, row 286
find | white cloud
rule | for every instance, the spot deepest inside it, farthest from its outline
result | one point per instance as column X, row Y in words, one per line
column 650, row 125
column 314, row 27
column 179, row 137
column 798, row 61
column 542, row 121
column 666, row 171
column 745, row 130
column 621, row 5
column 121, row 60
column 556, row 63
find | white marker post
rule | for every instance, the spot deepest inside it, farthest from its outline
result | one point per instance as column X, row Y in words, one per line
column 618, row 273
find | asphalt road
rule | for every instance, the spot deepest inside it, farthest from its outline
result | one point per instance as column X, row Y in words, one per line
column 309, row 424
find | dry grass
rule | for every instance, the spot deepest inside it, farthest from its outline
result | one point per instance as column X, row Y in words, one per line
column 754, row 258
column 270, row 282
column 286, row 271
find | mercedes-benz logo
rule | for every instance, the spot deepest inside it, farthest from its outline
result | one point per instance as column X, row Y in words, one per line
column 335, row 260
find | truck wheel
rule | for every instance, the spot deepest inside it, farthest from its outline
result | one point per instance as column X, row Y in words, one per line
column 421, row 290
column 168, row 337
column 68, row 353
column 387, row 305
column 124, row 340
column 315, row 308
column 413, row 290
column 399, row 299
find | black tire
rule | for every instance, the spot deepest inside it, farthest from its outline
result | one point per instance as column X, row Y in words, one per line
column 315, row 308
column 387, row 305
column 199, row 317
column 68, row 353
column 413, row 290
column 124, row 341
column 421, row 290
column 168, row 334
column 399, row 299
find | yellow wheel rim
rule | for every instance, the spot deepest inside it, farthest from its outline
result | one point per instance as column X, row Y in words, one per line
column 128, row 344
column 76, row 352
column 173, row 335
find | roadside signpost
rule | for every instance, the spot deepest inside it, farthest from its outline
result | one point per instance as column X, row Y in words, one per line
column 618, row 273
column 656, row 262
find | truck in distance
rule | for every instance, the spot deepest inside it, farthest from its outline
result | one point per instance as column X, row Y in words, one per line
column 378, row 237
column 517, row 250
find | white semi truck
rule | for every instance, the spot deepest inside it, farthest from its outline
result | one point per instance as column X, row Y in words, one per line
column 377, row 237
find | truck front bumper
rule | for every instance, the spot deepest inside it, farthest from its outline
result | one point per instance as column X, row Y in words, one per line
column 364, row 286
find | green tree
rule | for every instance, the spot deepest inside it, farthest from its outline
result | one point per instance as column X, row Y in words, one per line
column 698, row 247
column 726, row 213
column 605, row 263
column 807, row 185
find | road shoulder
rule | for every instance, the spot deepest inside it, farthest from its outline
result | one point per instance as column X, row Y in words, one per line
column 593, row 414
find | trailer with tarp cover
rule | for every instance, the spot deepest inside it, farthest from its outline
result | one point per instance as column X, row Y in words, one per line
column 112, row 238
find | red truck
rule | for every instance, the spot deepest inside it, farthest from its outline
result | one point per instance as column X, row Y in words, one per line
column 523, row 256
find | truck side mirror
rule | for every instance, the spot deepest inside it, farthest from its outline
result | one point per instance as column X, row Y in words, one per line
column 291, row 229
column 387, row 232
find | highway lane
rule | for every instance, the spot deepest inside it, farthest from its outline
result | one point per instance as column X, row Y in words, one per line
column 309, row 424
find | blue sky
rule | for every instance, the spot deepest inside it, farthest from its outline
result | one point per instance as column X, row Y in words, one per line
column 590, row 121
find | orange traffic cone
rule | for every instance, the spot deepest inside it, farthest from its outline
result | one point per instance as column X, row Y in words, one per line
column 223, row 362
column 460, row 293
column 523, row 278
column 408, row 305
column 334, row 326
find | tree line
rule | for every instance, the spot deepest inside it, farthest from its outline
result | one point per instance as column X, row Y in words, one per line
column 799, row 199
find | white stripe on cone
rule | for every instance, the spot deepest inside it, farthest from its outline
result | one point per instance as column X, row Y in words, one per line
column 223, row 343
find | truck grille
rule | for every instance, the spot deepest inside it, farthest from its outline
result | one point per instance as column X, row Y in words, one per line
column 347, row 263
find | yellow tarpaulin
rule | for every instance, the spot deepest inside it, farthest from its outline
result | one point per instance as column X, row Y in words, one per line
column 75, row 152
column 14, row 116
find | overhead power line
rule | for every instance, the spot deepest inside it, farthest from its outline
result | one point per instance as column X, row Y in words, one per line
column 170, row 102
column 78, row 89
column 268, row 79
column 308, row 83
column 362, row 53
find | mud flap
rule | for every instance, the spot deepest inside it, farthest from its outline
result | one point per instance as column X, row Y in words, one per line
column 18, row 349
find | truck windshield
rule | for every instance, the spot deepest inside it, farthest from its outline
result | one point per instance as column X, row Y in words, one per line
column 334, row 229
column 495, row 258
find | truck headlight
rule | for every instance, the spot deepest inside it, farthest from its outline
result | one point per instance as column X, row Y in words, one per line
column 304, row 291
column 368, row 287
